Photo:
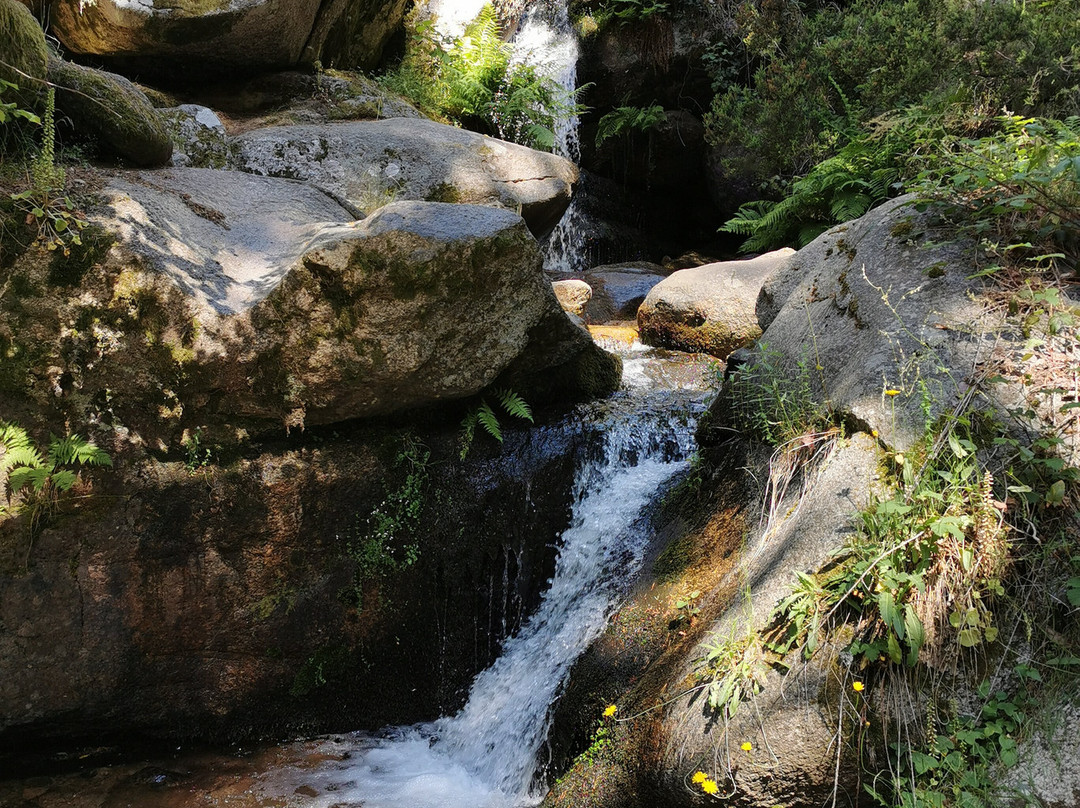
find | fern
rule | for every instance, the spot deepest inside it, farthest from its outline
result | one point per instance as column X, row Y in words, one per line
column 626, row 119
column 471, row 80
column 24, row 467
column 836, row 190
column 514, row 404
column 484, row 415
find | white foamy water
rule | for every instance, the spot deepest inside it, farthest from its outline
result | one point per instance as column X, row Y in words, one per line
column 485, row 756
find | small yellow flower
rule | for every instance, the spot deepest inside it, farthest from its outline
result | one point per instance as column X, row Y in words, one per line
column 699, row 777
column 857, row 686
column 746, row 746
column 610, row 711
column 710, row 787
column 874, row 432
column 891, row 392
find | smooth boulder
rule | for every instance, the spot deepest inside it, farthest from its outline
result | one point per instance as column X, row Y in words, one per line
column 370, row 163
column 883, row 320
column 112, row 111
column 239, row 304
column 711, row 308
column 189, row 40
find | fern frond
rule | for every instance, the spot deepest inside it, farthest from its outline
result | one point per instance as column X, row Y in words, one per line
column 63, row 480
column 489, row 421
column 468, row 432
column 78, row 450
column 36, row 478
column 514, row 404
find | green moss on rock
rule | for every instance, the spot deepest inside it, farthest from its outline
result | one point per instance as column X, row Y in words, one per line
column 24, row 53
column 113, row 111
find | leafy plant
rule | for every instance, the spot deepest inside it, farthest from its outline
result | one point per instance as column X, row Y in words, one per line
column 44, row 202
column 623, row 120
column 34, row 480
column 732, row 667
column 774, row 403
column 1018, row 190
column 629, row 11
column 9, row 110
column 471, row 80
column 385, row 540
column 484, row 415
column 198, row 455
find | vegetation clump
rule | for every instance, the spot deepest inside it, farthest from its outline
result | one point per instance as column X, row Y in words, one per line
column 836, row 109
column 471, row 80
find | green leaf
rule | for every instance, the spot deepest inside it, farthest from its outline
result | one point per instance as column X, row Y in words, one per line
column 970, row 637
column 889, row 613
column 916, row 634
column 922, row 762
column 894, row 649
column 1056, row 494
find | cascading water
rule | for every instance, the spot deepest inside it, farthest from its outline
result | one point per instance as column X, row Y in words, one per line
column 486, row 755
column 547, row 40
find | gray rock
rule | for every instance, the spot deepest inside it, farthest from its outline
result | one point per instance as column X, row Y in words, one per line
column 371, row 163
column 873, row 312
column 113, row 111
column 710, row 308
column 1048, row 771
column 289, row 96
column 225, row 238
column 618, row 289
column 233, row 303
column 793, row 727
column 573, row 295
column 198, row 135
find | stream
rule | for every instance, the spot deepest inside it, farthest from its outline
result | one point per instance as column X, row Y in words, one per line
column 489, row 754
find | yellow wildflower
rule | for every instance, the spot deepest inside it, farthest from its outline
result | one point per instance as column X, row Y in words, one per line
column 699, row 777
column 610, row 711
column 746, row 746
column 857, row 686
column 873, row 432
column 891, row 392
column 710, row 787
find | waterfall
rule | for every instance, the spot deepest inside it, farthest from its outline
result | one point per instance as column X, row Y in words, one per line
column 485, row 756
column 547, row 40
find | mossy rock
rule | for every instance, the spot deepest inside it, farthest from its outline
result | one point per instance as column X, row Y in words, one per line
column 22, row 43
column 113, row 111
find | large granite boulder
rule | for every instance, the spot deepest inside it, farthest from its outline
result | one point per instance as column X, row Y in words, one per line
column 25, row 54
column 370, row 163
column 189, row 40
column 710, row 308
column 888, row 324
column 113, row 112
column 235, row 304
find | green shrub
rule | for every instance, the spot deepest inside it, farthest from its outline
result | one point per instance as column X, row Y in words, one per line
column 814, row 76
column 471, row 81
column 1018, row 191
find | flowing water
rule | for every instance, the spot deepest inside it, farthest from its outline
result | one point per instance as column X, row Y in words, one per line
column 546, row 39
column 485, row 756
